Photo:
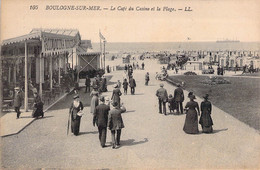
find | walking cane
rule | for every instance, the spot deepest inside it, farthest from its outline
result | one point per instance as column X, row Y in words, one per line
column 68, row 124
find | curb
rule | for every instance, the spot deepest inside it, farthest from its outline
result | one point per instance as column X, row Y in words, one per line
column 45, row 110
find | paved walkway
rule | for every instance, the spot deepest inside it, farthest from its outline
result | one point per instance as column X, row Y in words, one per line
column 149, row 140
column 10, row 125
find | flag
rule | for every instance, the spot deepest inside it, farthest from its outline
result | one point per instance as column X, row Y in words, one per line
column 101, row 36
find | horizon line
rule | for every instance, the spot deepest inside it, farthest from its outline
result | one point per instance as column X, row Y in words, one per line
column 173, row 41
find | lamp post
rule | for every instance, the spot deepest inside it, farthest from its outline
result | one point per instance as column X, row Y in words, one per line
column 104, row 54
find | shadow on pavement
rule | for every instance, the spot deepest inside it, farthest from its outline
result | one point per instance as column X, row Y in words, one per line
column 219, row 130
column 131, row 142
column 129, row 111
column 86, row 133
column 139, row 94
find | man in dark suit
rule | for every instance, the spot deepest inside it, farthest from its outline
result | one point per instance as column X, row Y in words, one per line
column 132, row 84
column 17, row 101
column 100, row 118
column 162, row 95
column 179, row 98
column 87, row 83
column 115, row 124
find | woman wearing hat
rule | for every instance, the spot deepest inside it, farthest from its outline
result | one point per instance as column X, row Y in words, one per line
column 205, row 118
column 38, row 106
column 75, row 112
column 116, row 95
column 191, row 121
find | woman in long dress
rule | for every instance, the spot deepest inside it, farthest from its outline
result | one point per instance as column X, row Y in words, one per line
column 38, row 106
column 75, row 108
column 116, row 95
column 191, row 121
column 205, row 118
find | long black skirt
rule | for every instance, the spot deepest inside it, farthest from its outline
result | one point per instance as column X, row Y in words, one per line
column 75, row 125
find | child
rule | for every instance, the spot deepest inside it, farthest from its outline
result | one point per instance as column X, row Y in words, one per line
column 125, row 85
column 171, row 103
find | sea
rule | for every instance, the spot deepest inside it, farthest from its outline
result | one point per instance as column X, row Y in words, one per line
column 118, row 47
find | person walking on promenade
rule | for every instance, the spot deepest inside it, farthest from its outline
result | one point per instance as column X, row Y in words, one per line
column 18, row 98
column 115, row 124
column 103, row 84
column 191, row 121
column 132, row 85
column 147, row 78
column 87, row 83
column 162, row 95
column 38, row 106
column 179, row 98
column 130, row 71
column 119, row 84
column 116, row 95
column 75, row 114
column 143, row 66
column 205, row 118
column 94, row 101
column 100, row 118
column 125, row 86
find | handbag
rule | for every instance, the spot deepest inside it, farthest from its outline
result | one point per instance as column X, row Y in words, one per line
column 80, row 113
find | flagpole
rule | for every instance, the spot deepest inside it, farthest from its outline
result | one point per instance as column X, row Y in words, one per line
column 104, row 54
column 100, row 51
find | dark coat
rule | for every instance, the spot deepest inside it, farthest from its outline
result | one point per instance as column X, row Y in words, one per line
column 115, row 121
column 147, row 78
column 18, row 99
column 116, row 95
column 205, row 118
column 132, row 82
column 178, row 95
column 93, row 103
column 125, row 84
column 87, row 82
column 38, row 107
column 101, row 115
column 161, row 93
column 75, row 110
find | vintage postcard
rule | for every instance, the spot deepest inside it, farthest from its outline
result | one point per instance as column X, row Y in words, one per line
column 170, row 84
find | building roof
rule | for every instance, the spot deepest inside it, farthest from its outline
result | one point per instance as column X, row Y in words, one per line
column 44, row 33
column 69, row 32
column 81, row 50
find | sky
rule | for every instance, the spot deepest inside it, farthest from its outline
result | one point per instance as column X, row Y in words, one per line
column 209, row 20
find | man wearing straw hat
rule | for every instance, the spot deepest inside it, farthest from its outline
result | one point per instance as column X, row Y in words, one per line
column 17, row 101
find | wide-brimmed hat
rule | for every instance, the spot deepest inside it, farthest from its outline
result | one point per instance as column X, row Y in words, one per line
column 161, row 85
column 17, row 88
column 116, row 85
column 206, row 96
column 192, row 97
column 76, row 96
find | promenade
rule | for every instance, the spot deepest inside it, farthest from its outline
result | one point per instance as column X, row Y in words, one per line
column 149, row 140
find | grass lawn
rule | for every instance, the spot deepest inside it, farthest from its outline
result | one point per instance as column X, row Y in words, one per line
column 241, row 98
column 250, row 74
